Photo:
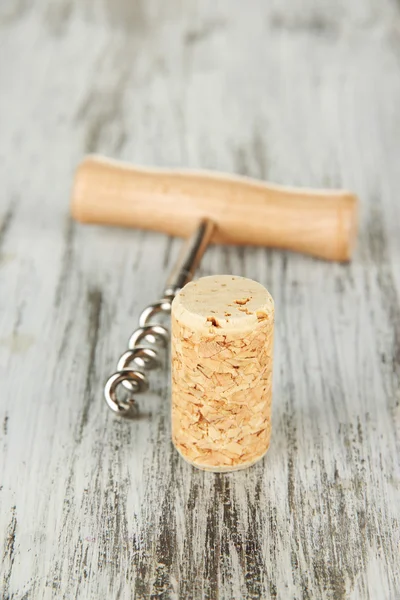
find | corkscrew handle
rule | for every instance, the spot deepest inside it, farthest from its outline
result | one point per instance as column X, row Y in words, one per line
column 245, row 211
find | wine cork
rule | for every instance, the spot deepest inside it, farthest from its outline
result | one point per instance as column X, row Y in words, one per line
column 222, row 345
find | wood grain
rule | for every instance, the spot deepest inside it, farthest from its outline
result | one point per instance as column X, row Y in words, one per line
column 300, row 94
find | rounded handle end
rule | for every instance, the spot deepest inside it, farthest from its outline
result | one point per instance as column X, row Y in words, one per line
column 82, row 189
column 347, row 227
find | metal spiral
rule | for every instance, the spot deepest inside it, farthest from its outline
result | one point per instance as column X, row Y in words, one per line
column 144, row 344
column 143, row 355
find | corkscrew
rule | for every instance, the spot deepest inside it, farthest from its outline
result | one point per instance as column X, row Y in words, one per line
column 238, row 210
column 151, row 338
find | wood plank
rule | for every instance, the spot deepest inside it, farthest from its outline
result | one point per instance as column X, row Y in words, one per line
column 95, row 507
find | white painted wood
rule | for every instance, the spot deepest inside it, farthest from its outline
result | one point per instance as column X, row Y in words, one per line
column 297, row 93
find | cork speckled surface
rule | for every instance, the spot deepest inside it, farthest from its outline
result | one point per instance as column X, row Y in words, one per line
column 222, row 346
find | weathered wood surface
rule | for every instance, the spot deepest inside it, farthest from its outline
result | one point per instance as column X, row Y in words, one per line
column 298, row 93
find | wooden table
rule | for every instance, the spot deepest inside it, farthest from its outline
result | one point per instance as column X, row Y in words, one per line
column 94, row 507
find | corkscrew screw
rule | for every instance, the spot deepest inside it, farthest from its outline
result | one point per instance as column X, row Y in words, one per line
column 151, row 338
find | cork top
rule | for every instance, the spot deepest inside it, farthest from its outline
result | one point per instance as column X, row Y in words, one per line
column 223, row 302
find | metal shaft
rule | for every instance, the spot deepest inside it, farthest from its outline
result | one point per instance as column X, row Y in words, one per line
column 189, row 257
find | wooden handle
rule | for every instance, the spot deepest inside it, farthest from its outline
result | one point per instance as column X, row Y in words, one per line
column 318, row 222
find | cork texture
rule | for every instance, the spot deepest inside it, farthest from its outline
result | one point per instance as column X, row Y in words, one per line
column 222, row 345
